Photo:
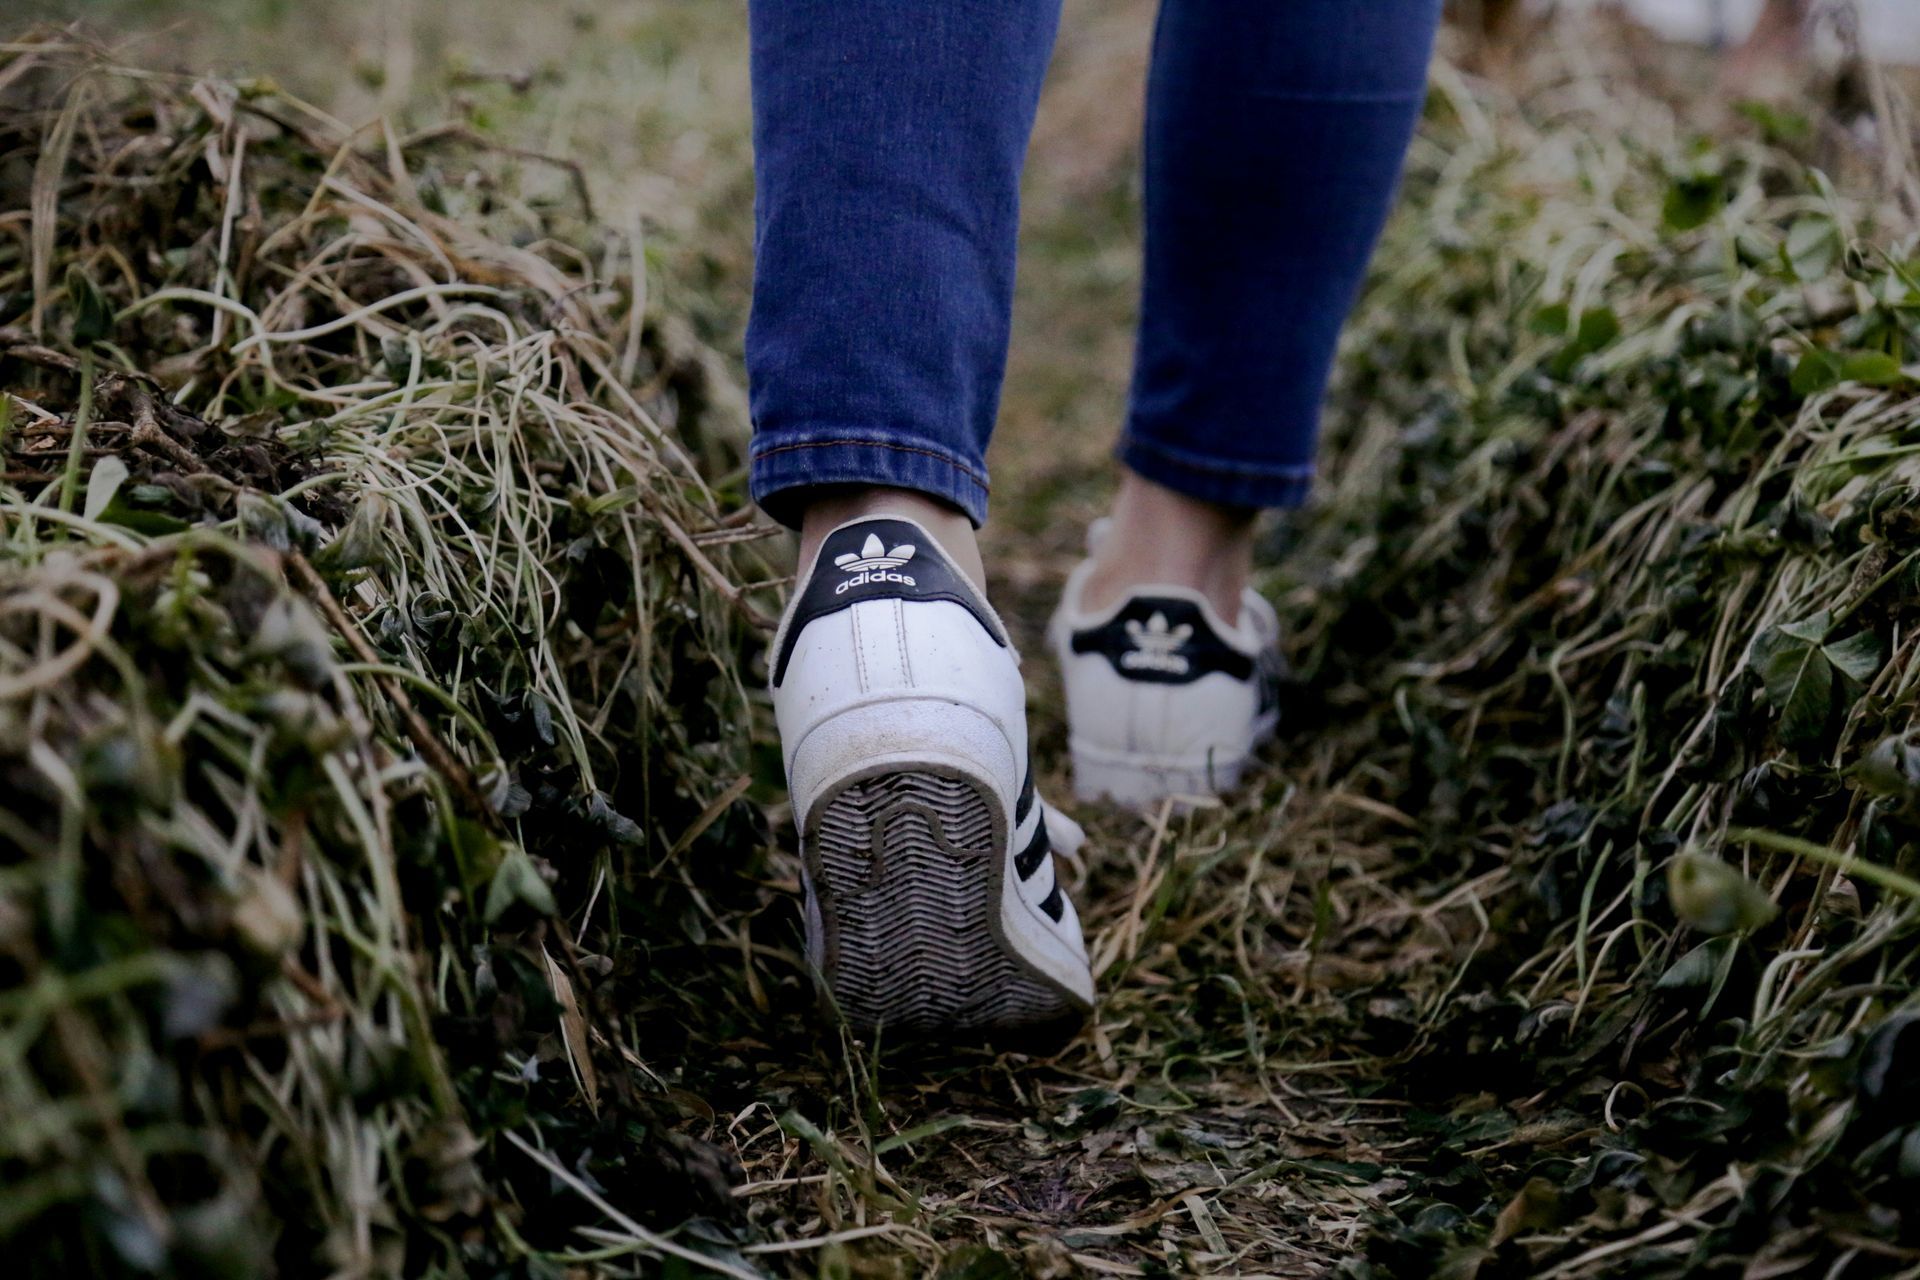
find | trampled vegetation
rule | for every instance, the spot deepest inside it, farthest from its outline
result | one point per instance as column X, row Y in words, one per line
column 395, row 881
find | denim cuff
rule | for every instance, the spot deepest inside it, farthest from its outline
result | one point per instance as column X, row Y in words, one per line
column 781, row 467
column 1216, row 480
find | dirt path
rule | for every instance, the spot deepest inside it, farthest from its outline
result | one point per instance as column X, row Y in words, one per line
column 1226, row 1116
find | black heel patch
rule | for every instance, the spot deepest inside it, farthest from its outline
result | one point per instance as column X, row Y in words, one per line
column 1162, row 640
column 877, row 560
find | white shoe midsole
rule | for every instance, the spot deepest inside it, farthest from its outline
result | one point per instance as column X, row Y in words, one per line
column 1139, row 779
column 899, row 735
column 900, row 732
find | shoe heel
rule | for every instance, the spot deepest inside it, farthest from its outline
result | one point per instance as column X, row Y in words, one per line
column 904, row 734
column 904, row 837
column 1142, row 782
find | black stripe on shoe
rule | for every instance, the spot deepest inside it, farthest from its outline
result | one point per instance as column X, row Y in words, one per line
column 1163, row 640
column 1055, row 903
column 1024, row 805
column 1028, row 860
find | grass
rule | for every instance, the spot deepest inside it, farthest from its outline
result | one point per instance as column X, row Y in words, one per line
column 407, row 881
column 402, row 588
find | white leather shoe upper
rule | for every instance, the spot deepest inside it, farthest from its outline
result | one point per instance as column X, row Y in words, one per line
column 884, row 617
column 889, row 656
column 1164, row 697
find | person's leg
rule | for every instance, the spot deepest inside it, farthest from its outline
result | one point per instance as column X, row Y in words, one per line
column 1275, row 137
column 889, row 137
column 1768, row 63
column 888, row 142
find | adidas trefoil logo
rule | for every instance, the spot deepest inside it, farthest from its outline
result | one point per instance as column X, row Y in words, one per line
column 1156, row 647
column 874, row 564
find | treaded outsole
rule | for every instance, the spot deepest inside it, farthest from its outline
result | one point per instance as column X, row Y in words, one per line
column 906, row 865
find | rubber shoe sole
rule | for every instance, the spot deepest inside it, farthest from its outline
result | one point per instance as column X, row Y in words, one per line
column 907, row 867
column 1141, row 782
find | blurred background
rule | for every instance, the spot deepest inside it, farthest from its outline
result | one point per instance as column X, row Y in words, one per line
column 1893, row 26
column 650, row 98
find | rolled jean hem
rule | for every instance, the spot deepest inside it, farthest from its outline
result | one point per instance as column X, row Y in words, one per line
column 1229, row 484
column 779, row 471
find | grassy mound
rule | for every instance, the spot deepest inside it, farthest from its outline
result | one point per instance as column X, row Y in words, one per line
column 367, row 639
column 1616, row 595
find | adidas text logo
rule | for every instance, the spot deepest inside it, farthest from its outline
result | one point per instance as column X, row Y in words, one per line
column 1157, row 647
column 873, row 564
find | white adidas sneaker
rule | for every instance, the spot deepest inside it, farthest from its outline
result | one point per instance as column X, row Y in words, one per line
column 1164, row 697
column 932, row 904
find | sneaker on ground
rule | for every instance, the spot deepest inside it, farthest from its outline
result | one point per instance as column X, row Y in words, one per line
column 1164, row 697
column 933, row 906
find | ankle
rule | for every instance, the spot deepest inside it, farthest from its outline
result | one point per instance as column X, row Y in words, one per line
column 1159, row 537
column 835, row 506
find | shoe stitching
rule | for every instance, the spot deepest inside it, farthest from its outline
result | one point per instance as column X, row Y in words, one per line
column 900, row 629
column 859, row 650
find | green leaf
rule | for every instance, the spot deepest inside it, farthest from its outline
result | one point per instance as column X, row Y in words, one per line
column 1777, row 124
column 1698, row 967
column 475, row 852
column 1811, row 248
column 1714, row 897
column 263, row 520
column 362, row 543
column 1805, row 681
column 1692, row 201
column 1857, row 657
column 289, row 629
column 1816, row 372
column 1792, row 662
column 1813, row 628
column 517, row 880
column 92, row 317
column 616, row 826
column 1592, row 331
column 920, row 1132
column 1890, row 1058
column 1551, row 319
column 1598, row 327
column 154, row 524
column 1874, row 368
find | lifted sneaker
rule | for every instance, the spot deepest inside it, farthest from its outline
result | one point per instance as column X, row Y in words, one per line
column 1164, row 698
column 932, row 904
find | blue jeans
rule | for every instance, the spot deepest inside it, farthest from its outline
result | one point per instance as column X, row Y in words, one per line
column 888, row 141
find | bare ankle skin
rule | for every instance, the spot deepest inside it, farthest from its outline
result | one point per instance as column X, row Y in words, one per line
column 834, row 507
column 1162, row 538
